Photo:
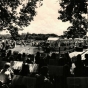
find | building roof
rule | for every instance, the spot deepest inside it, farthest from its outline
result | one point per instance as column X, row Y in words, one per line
column 53, row 38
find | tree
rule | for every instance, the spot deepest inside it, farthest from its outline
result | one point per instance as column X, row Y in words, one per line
column 16, row 14
column 73, row 10
column 73, row 32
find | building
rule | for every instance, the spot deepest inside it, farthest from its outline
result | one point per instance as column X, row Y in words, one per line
column 52, row 39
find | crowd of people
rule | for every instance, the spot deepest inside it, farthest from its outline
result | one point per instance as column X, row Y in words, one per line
column 71, row 68
column 7, row 44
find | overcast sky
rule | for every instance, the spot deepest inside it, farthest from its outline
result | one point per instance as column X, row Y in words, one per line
column 46, row 19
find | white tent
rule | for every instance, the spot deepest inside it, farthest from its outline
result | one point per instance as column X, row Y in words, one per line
column 53, row 38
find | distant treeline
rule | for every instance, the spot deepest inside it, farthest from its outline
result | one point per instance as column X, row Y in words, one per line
column 25, row 36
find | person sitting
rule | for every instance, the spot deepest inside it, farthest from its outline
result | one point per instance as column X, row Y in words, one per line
column 79, row 70
column 47, row 58
column 19, row 57
column 86, row 64
column 68, row 59
column 3, row 56
column 37, row 58
column 24, row 57
column 25, row 70
column 29, row 61
column 9, row 54
column 43, row 79
column 86, row 60
column 8, row 72
column 53, row 56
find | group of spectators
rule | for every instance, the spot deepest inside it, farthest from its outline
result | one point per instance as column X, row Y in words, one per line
column 44, row 79
column 7, row 44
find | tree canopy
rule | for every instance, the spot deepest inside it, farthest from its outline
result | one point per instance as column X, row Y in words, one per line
column 73, row 10
column 16, row 14
column 73, row 32
column 28, row 36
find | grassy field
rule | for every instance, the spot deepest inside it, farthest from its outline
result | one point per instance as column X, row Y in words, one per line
column 33, row 50
column 27, row 49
